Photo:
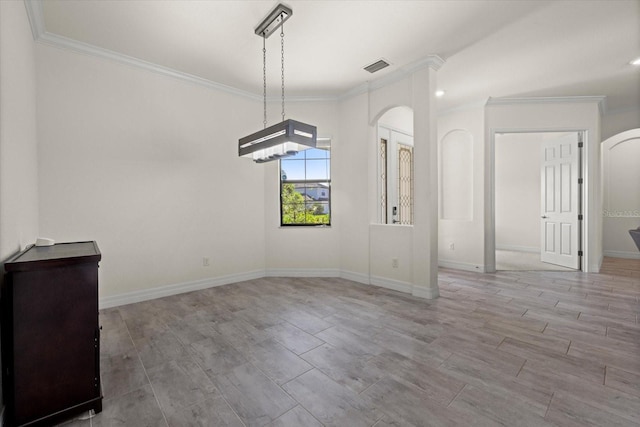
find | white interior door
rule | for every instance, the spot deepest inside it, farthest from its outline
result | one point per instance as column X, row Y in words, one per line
column 559, row 191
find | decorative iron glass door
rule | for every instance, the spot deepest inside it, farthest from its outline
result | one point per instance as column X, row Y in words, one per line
column 405, row 185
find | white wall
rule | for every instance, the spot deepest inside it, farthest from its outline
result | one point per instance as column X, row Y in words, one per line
column 456, row 175
column 517, row 186
column 466, row 234
column 614, row 122
column 147, row 166
column 389, row 243
column 350, row 187
column 416, row 92
column 474, row 240
column 304, row 250
column 18, row 137
column 367, row 248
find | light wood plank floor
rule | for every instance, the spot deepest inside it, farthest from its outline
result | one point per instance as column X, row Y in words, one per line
column 512, row 349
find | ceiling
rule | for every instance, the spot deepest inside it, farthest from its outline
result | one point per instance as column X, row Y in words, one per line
column 491, row 48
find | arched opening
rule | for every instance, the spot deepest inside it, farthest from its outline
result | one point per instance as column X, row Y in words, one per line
column 621, row 207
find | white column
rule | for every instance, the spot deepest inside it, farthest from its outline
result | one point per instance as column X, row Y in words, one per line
column 425, row 228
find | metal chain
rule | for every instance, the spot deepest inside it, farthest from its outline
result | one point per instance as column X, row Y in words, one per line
column 264, row 78
column 282, row 64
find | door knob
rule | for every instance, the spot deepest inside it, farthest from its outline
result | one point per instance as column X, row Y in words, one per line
column 544, row 216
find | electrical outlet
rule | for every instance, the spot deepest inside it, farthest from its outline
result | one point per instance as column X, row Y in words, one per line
column 394, row 262
column 206, row 262
column 452, row 246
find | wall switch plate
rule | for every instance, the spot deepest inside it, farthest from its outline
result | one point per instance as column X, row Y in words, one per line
column 394, row 262
column 206, row 262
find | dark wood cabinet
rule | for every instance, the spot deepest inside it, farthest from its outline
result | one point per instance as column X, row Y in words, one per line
column 50, row 334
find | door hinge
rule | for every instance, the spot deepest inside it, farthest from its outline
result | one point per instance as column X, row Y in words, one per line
column 580, row 144
column 580, row 253
column 580, row 217
column 580, row 181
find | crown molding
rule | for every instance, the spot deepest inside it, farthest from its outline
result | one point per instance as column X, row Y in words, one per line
column 80, row 47
column 479, row 105
column 600, row 100
column 355, row 91
column 36, row 19
column 40, row 35
column 303, row 98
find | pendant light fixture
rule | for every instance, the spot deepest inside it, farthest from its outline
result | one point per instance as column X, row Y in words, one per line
column 288, row 137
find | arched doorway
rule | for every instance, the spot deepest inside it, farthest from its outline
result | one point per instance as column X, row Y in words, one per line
column 621, row 194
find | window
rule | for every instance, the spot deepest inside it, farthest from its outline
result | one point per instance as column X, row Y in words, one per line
column 305, row 187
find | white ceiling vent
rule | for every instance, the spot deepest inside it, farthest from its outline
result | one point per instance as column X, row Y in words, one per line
column 377, row 66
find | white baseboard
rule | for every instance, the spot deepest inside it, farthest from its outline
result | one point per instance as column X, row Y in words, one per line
column 179, row 288
column 622, row 254
column 424, row 292
column 396, row 285
column 405, row 287
column 302, row 272
column 518, row 248
column 594, row 269
column 457, row 265
column 355, row 277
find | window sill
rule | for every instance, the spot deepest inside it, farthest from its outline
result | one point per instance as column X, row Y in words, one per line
column 305, row 226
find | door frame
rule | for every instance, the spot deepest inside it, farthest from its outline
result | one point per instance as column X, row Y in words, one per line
column 490, row 222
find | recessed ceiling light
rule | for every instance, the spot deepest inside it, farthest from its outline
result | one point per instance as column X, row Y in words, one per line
column 440, row 93
column 635, row 62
